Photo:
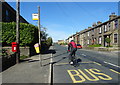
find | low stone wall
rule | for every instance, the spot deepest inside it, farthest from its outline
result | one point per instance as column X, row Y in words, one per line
column 103, row 48
column 23, row 50
column 10, row 59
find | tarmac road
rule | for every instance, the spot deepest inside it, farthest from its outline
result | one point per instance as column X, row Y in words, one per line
column 95, row 67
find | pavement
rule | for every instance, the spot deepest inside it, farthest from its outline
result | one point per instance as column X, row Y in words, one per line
column 29, row 71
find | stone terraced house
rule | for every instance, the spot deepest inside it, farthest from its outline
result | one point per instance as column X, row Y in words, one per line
column 98, row 33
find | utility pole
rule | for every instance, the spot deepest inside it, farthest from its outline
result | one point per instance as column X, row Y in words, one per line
column 39, row 30
column 39, row 25
column 17, row 29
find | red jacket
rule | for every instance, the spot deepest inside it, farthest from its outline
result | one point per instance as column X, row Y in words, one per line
column 72, row 45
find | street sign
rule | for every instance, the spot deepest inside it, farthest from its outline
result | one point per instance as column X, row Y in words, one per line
column 34, row 16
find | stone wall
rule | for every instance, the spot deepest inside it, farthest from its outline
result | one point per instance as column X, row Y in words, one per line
column 102, row 48
column 23, row 50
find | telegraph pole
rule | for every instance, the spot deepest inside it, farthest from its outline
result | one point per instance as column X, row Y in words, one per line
column 39, row 25
column 39, row 30
column 17, row 29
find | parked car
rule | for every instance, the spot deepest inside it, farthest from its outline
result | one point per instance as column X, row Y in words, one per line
column 79, row 46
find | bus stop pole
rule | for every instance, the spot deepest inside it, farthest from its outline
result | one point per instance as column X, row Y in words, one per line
column 39, row 30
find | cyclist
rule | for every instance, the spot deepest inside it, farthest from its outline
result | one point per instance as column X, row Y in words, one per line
column 72, row 48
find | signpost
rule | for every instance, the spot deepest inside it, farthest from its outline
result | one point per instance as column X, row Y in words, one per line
column 36, row 16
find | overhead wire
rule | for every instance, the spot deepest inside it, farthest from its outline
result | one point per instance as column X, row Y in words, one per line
column 74, row 26
column 106, row 10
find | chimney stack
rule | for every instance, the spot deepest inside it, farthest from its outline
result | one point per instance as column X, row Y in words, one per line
column 98, row 23
column 94, row 25
column 112, row 16
column 89, row 27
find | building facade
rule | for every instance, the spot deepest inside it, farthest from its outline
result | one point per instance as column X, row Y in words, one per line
column 104, row 34
column 60, row 42
column 8, row 14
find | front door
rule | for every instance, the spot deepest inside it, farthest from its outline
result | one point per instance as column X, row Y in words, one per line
column 105, row 43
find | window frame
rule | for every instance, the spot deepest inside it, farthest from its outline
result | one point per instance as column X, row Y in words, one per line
column 105, row 28
column 88, row 33
column 108, row 25
column 100, row 40
column 114, row 38
column 88, row 42
column 116, row 23
column 100, row 30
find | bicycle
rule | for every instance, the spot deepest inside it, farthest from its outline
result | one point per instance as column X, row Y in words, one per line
column 72, row 59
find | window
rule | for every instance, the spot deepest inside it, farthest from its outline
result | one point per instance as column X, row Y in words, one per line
column 108, row 26
column 100, row 30
column 100, row 40
column 116, row 24
column 113, row 23
column 115, row 38
column 88, row 33
column 7, row 15
column 92, row 32
column 105, row 28
column 88, row 42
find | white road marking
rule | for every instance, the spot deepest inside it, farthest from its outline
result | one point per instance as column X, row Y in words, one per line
column 0, row 78
column 83, row 54
column 49, row 81
column 112, row 64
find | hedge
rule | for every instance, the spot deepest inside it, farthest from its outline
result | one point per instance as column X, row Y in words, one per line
column 28, row 34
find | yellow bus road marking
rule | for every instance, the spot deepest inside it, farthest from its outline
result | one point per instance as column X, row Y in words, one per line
column 79, row 76
column 97, row 63
column 86, row 62
column 115, row 71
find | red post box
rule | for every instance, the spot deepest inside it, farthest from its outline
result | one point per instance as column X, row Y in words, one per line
column 14, row 47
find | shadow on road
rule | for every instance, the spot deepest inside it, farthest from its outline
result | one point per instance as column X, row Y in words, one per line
column 55, row 61
column 75, row 65
column 49, row 51
column 54, row 56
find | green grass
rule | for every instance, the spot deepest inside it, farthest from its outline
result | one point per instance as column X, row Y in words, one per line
column 23, row 57
column 109, row 46
column 94, row 45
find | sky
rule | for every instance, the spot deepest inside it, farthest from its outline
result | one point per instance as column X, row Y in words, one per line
column 62, row 19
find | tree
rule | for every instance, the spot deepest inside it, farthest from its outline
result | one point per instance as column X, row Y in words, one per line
column 28, row 34
column 44, row 35
column 49, row 41
column 108, row 41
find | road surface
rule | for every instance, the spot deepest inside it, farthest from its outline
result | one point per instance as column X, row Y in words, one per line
column 95, row 67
